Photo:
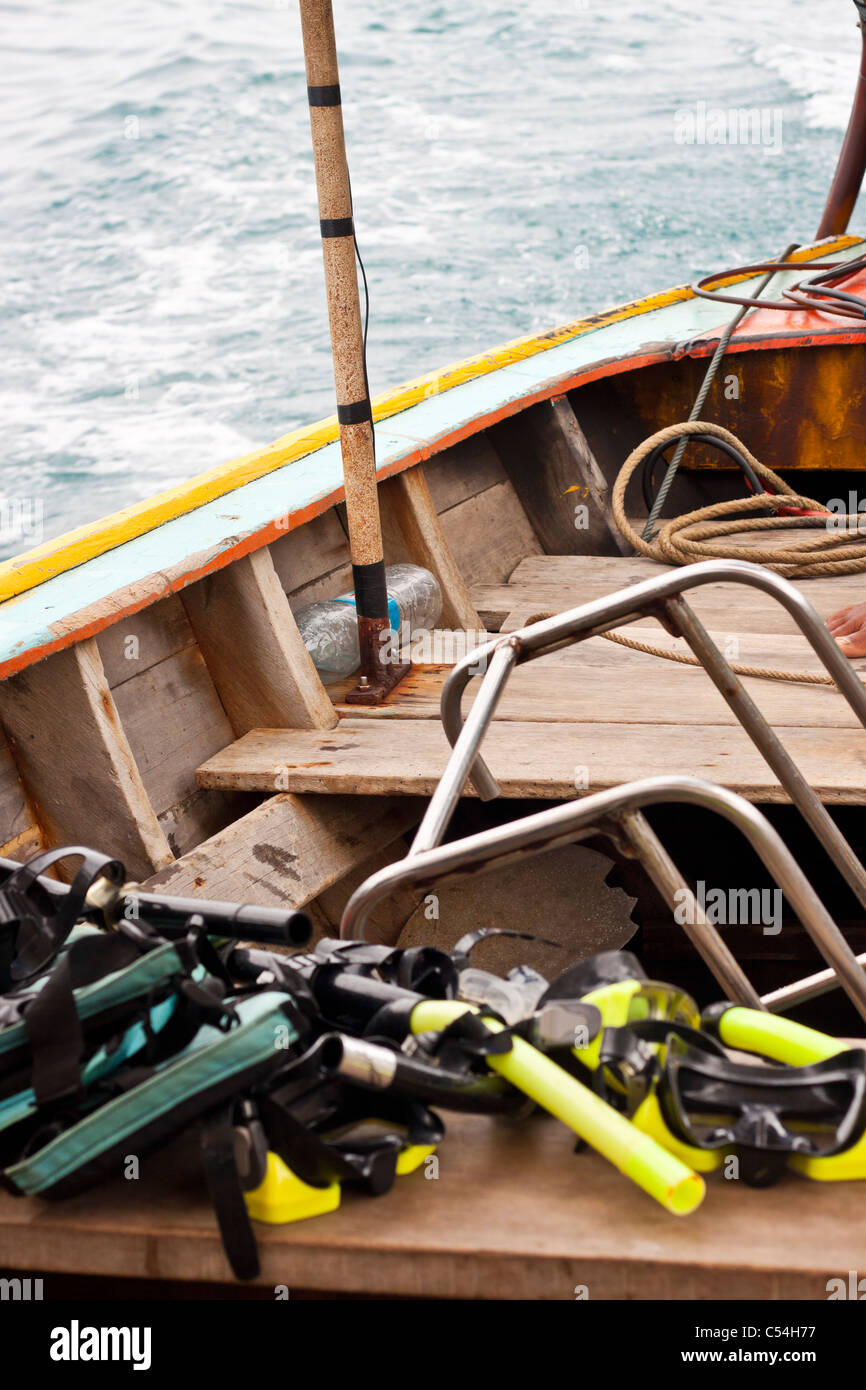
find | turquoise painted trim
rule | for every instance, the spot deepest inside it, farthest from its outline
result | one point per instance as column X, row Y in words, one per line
column 39, row 618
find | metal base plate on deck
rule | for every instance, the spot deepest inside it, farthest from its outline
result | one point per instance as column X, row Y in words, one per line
column 373, row 691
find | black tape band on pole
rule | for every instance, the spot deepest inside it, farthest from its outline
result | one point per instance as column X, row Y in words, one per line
column 358, row 413
column 324, row 96
column 371, row 593
column 337, row 226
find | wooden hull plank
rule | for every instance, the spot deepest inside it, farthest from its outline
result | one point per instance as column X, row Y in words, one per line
column 489, row 533
column 559, row 481
column 16, row 818
column 172, row 717
column 287, row 851
column 407, row 757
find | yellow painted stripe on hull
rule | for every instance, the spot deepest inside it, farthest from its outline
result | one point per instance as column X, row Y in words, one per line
column 55, row 557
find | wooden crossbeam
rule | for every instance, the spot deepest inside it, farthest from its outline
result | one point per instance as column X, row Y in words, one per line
column 253, row 650
column 407, row 497
column 290, row 849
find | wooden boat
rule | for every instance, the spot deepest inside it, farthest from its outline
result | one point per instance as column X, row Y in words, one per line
column 157, row 700
column 138, row 655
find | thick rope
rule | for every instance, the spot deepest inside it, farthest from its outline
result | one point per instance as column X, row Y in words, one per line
column 701, row 535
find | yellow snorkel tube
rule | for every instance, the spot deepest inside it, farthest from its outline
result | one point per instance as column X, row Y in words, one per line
column 770, row 1035
column 766, row 1035
column 628, row 1001
column 637, row 1155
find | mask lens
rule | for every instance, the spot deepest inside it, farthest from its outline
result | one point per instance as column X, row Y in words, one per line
column 655, row 1000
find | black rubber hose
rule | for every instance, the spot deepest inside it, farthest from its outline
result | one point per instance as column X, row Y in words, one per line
column 713, row 440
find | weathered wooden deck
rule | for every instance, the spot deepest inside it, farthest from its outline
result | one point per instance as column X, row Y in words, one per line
column 514, row 1214
column 593, row 716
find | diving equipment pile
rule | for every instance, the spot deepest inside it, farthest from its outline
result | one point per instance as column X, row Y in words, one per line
column 127, row 1018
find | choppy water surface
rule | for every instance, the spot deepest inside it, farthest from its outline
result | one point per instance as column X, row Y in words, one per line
column 514, row 166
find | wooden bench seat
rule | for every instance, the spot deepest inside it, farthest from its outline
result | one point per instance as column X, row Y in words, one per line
column 545, row 584
column 588, row 717
column 379, row 757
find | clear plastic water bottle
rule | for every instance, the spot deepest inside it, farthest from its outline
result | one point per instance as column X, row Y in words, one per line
column 330, row 628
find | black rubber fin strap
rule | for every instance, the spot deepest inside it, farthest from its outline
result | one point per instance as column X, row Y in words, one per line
column 658, row 1030
column 37, row 947
column 226, row 1193
column 300, row 1148
column 468, row 1035
column 55, row 1037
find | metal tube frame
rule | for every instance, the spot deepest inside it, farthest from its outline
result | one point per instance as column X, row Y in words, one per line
column 617, row 813
column 661, row 598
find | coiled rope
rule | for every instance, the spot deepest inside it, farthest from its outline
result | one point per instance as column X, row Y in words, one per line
column 704, row 534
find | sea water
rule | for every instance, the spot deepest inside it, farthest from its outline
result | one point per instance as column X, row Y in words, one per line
column 514, row 165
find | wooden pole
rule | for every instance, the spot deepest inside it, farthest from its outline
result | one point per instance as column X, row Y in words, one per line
column 852, row 159
column 354, row 410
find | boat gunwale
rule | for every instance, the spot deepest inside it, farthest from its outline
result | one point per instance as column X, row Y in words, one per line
column 27, row 574
column 40, row 563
